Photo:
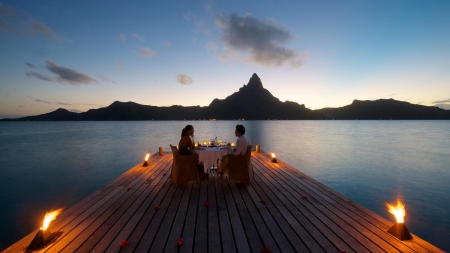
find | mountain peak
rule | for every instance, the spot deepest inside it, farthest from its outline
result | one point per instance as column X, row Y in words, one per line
column 255, row 82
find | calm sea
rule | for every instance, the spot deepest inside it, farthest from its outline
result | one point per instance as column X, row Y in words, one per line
column 47, row 165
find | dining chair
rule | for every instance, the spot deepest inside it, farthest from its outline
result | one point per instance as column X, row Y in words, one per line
column 184, row 167
column 240, row 167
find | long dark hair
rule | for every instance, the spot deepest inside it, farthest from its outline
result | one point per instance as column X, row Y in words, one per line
column 185, row 130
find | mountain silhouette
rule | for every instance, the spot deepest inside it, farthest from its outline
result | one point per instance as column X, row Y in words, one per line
column 251, row 102
column 384, row 109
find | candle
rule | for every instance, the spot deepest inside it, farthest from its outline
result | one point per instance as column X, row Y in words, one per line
column 232, row 144
column 205, row 143
column 161, row 151
column 274, row 159
column 257, row 149
column 196, row 144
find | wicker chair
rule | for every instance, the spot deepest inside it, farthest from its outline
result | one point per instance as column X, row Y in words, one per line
column 184, row 168
column 240, row 167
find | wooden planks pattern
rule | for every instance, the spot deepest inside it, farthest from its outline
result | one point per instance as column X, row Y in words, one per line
column 270, row 213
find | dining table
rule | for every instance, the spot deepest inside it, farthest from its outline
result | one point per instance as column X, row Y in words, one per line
column 211, row 156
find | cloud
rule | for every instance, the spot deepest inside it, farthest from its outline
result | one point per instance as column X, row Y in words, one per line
column 255, row 41
column 42, row 101
column 21, row 23
column 61, row 103
column 146, row 52
column 121, row 66
column 21, row 106
column 166, row 43
column 70, row 76
column 211, row 46
column 194, row 40
column 30, row 65
column 75, row 110
column 37, row 29
column 106, row 79
column 443, row 106
column 123, row 38
column 93, row 105
column 442, row 101
column 184, row 79
column 39, row 76
column 391, row 95
column 137, row 36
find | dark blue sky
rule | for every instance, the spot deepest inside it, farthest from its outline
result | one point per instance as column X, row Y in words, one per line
column 87, row 54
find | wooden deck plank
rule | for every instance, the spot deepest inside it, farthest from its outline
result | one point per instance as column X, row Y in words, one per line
column 313, row 239
column 167, row 223
column 235, row 221
column 296, row 241
column 240, row 238
column 330, row 227
column 201, row 227
column 150, row 233
column 281, row 240
column 82, row 222
column 176, row 232
column 85, row 229
column 255, row 242
column 191, row 220
column 94, row 234
column 382, row 239
column 123, row 229
column 261, row 227
column 226, row 233
column 214, row 242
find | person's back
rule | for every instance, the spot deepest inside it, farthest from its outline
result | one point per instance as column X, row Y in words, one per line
column 241, row 145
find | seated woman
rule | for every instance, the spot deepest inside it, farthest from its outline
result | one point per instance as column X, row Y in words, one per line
column 186, row 147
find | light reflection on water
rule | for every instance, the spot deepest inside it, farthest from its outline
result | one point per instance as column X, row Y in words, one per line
column 47, row 165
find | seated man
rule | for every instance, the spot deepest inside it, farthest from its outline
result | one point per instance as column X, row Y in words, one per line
column 241, row 148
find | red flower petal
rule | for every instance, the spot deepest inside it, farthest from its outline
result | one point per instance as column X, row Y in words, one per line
column 180, row 242
column 304, row 197
column 123, row 243
column 157, row 208
column 262, row 202
column 342, row 251
column 164, row 174
column 266, row 250
column 206, row 203
column 128, row 189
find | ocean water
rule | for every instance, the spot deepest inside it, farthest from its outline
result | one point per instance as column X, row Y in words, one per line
column 47, row 165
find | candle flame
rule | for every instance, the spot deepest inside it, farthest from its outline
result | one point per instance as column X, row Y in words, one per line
column 273, row 155
column 49, row 216
column 398, row 211
column 146, row 157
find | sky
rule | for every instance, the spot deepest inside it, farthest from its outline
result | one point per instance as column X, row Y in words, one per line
column 82, row 55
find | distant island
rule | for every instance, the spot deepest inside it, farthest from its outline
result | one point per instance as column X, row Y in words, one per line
column 251, row 102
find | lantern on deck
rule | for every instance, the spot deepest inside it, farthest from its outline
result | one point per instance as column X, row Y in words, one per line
column 399, row 229
column 43, row 236
column 274, row 159
column 146, row 160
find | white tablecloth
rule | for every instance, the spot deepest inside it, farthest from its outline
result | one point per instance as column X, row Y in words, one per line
column 210, row 155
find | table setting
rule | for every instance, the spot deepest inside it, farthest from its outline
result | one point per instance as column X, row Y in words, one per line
column 211, row 152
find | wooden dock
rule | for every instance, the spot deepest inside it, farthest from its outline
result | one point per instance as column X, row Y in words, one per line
column 282, row 210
